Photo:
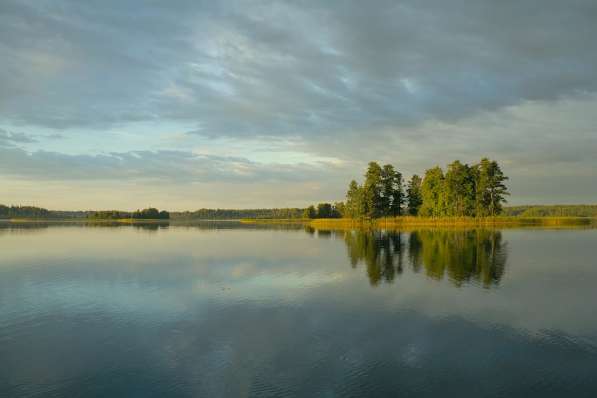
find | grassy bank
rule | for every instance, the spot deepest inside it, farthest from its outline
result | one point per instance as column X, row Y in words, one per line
column 276, row 220
column 407, row 221
column 347, row 223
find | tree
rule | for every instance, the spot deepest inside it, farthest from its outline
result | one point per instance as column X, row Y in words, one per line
column 324, row 210
column 386, row 188
column 392, row 196
column 24, row 211
column 413, row 193
column 310, row 212
column 354, row 207
column 339, row 210
column 490, row 188
column 463, row 190
column 150, row 214
column 432, row 193
column 460, row 190
column 372, row 191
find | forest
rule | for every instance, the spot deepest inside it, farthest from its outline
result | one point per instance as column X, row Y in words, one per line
column 237, row 214
column 145, row 214
column 551, row 211
column 24, row 212
column 8, row 212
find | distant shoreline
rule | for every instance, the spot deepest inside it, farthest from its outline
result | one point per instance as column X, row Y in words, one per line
column 86, row 220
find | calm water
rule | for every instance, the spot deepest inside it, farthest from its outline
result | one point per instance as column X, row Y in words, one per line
column 254, row 312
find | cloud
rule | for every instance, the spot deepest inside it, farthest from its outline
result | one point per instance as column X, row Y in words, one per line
column 307, row 92
column 9, row 139
column 546, row 148
column 166, row 167
column 279, row 68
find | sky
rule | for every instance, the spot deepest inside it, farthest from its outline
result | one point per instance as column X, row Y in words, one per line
column 240, row 104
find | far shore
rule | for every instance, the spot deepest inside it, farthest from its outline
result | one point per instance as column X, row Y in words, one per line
column 86, row 220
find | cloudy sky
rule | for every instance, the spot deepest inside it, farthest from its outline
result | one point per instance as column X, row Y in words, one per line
column 189, row 104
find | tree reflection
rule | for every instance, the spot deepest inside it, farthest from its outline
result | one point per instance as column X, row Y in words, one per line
column 461, row 255
column 382, row 253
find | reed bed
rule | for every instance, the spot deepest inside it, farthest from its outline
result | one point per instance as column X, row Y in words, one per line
column 409, row 221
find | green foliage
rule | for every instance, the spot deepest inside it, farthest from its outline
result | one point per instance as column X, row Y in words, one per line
column 459, row 190
column 372, row 191
column 324, row 210
column 392, row 191
column 490, row 188
column 24, row 212
column 145, row 214
column 237, row 214
column 380, row 195
column 150, row 214
column 433, row 193
column 31, row 212
column 551, row 211
column 339, row 209
column 413, row 193
column 355, row 201
column 463, row 191
column 310, row 212
column 110, row 215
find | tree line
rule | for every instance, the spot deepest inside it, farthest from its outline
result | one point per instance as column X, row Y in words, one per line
column 24, row 212
column 551, row 211
column 237, row 214
column 145, row 214
column 325, row 210
column 462, row 190
column 7, row 212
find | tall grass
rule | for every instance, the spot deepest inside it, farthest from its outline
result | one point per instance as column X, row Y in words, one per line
column 409, row 221
column 276, row 220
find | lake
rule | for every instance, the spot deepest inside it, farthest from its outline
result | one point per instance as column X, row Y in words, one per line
column 231, row 310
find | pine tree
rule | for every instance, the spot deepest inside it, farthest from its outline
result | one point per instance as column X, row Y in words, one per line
column 414, row 198
column 463, row 190
column 391, row 191
column 372, row 191
column 490, row 188
column 482, row 196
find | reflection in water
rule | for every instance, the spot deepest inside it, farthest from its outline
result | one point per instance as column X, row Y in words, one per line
column 462, row 255
column 382, row 253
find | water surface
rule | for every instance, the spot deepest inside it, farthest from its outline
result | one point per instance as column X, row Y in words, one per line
column 239, row 311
